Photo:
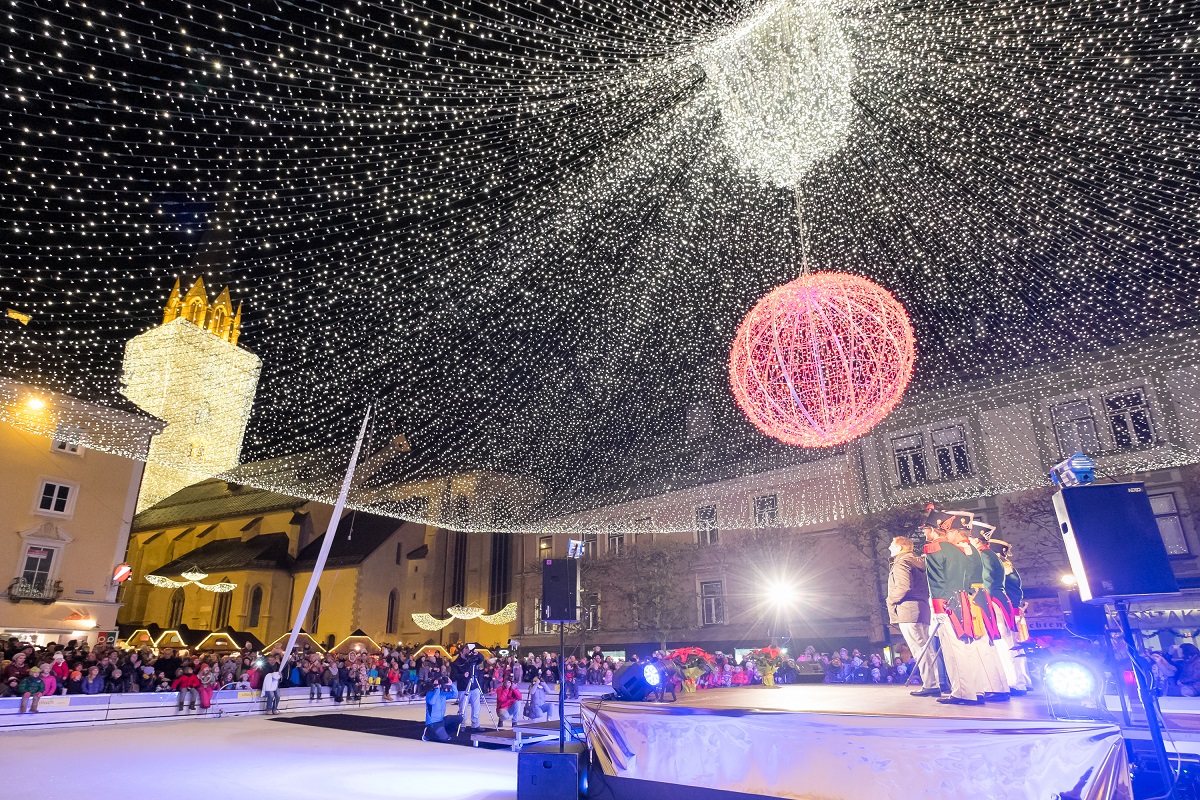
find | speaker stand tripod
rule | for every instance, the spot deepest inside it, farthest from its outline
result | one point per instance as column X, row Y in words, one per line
column 1149, row 701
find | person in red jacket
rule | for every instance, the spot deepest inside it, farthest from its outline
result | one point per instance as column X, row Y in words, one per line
column 187, row 684
column 507, row 697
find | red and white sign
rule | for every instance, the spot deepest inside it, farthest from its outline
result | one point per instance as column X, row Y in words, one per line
column 122, row 573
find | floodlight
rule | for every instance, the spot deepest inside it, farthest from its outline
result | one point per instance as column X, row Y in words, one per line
column 1070, row 680
column 652, row 675
column 1075, row 471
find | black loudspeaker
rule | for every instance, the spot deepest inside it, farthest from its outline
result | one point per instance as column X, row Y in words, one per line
column 543, row 773
column 1083, row 619
column 1113, row 543
column 810, row 672
column 560, row 590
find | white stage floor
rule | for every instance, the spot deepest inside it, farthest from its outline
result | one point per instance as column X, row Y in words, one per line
column 254, row 756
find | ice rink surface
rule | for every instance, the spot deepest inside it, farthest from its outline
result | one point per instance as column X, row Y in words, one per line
column 254, row 756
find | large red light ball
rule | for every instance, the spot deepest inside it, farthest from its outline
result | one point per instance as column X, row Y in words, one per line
column 822, row 360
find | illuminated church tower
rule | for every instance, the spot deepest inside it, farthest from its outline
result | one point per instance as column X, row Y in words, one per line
column 190, row 373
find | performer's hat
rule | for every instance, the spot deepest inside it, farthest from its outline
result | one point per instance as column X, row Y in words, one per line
column 947, row 520
column 981, row 530
column 995, row 543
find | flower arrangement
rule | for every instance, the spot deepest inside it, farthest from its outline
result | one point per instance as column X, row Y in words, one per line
column 766, row 658
column 693, row 662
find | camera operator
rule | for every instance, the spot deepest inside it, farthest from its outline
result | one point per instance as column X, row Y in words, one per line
column 435, row 710
column 467, row 670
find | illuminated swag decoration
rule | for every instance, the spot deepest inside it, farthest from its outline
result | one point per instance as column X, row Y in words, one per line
column 191, row 577
column 504, row 616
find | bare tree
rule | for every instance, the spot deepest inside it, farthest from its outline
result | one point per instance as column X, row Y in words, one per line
column 648, row 588
column 1028, row 522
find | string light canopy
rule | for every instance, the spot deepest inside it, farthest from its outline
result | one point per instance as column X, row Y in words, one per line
column 527, row 232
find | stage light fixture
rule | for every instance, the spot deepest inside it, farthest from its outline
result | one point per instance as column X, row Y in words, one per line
column 782, row 593
column 1070, row 680
column 1068, row 579
column 652, row 675
column 35, row 404
column 635, row 682
column 1074, row 689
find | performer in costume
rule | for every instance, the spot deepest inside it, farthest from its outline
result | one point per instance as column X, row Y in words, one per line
column 948, row 571
column 987, row 630
column 1016, row 598
column 993, row 585
column 908, row 609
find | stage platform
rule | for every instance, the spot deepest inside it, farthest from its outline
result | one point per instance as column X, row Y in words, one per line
column 830, row 742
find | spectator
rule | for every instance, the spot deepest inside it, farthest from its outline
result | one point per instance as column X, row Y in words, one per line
column 207, row 685
column 46, row 673
column 507, row 698
column 31, row 686
column 539, row 703
column 436, row 721
column 118, row 682
column 1188, row 675
column 270, row 691
column 94, row 683
column 188, row 686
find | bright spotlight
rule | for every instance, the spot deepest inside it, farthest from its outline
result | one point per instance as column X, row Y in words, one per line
column 651, row 674
column 1068, row 579
column 782, row 593
column 35, row 404
column 1070, row 680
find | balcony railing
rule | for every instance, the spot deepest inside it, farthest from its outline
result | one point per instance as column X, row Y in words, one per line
column 21, row 589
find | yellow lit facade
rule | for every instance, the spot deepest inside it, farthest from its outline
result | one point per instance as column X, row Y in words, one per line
column 69, row 478
column 190, row 372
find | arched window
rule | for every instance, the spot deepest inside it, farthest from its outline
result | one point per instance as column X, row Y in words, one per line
column 314, row 613
column 194, row 312
column 391, row 615
column 220, row 615
column 176, row 615
column 252, row 618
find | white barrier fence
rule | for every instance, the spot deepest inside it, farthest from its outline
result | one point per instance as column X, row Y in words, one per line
column 98, row 709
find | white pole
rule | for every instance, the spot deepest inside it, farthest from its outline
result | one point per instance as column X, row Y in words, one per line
column 326, row 543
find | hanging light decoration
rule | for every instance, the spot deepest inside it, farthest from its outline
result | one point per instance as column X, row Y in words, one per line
column 191, row 576
column 782, row 84
column 504, row 616
column 821, row 360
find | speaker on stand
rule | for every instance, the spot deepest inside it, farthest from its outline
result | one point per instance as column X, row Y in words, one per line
column 1117, row 554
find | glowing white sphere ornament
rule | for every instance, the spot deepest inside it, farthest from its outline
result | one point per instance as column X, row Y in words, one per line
column 782, row 84
column 822, row 360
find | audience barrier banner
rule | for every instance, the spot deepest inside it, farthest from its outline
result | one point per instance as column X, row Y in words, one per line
column 147, row 706
column 843, row 756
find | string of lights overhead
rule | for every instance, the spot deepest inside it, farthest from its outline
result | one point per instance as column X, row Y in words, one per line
column 526, row 233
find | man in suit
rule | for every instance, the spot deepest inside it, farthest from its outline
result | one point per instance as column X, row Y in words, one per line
column 909, row 610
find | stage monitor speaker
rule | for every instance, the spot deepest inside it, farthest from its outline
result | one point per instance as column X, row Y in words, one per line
column 560, row 590
column 810, row 672
column 543, row 773
column 1083, row 619
column 1113, row 543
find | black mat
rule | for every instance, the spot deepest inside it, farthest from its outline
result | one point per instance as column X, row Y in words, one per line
column 381, row 726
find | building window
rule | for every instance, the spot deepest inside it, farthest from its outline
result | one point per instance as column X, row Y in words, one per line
column 545, row 547
column 1075, row 428
column 712, row 602
column 399, row 553
column 36, row 567
column 1129, row 419
column 500, row 577
column 616, row 542
column 706, row 525
column 458, row 573
column 391, row 613
column 221, row 605
column 950, row 450
column 314, row 613
column 909, row 452
column 766, row 511
column 589, row 545
column 255, row 615
column 1170, row 527
column 57, row 498
column 175, row 616
column 62, row 445
column 591, row 611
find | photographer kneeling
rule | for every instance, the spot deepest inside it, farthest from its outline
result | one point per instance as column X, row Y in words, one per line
column 435, row 711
